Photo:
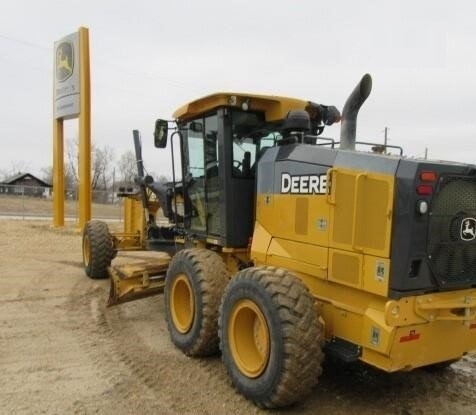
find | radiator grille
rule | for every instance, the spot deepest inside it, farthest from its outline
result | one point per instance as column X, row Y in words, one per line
column 452, row 232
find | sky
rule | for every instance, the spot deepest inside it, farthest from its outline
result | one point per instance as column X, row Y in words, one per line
column 150, row 57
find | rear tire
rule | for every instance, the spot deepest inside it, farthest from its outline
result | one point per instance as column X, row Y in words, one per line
column 98, row 250
column 196, row 279
column 270, row 336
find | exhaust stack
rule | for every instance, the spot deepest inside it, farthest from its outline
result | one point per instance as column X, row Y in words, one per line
column 350, row 111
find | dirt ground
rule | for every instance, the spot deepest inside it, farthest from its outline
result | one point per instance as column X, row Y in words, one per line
column 63, row 352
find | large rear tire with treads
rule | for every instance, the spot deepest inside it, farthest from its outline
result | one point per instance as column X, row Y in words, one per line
column 270, row 336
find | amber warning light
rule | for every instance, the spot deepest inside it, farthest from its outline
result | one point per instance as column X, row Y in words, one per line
column 428, row 176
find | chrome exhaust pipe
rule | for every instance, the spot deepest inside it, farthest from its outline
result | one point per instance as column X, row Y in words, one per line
column 350, row 111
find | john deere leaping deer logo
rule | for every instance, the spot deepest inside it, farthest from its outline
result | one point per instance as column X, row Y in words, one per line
column 64, row 61
column 468, row 229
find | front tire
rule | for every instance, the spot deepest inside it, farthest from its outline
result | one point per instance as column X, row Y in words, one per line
column 270, row 336
column 196, row 279
column 98, row 249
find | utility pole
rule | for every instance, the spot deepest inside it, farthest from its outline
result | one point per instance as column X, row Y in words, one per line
column 385, row 138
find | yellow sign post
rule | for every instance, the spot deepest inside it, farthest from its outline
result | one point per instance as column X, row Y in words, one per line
column 72, row 99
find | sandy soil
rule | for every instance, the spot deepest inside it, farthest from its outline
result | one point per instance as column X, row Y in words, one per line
column 64, row 352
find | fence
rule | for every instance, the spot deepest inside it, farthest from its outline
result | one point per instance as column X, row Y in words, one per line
column 36, row 201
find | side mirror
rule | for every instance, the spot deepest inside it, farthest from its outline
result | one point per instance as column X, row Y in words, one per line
column 160, row 133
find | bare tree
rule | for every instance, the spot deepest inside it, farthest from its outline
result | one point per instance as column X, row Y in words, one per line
column 70, row 177
column 47, row 174
column 101, row 166
column 15, row 167
column 127, row 167
column 71, row 165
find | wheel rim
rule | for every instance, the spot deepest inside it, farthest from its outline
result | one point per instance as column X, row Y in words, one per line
column 182, row 303
column 248, row 336
column 86, row 250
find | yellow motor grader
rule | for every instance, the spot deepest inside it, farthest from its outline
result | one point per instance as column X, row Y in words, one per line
column 283, row 244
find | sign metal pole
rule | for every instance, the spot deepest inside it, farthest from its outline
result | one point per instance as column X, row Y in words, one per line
column 72, row 99
column 84, row 162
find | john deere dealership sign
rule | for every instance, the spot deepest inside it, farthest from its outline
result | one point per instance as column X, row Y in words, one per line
column 66, row 77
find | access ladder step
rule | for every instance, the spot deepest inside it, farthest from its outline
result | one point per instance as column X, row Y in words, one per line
column 344, row 350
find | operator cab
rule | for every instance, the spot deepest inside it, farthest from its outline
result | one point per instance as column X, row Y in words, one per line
column 222, row 137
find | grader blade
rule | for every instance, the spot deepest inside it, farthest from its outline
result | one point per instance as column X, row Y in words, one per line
column 138, row 280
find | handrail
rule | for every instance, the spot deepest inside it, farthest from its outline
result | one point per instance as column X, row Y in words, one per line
column 330, row 185
column 358, row 179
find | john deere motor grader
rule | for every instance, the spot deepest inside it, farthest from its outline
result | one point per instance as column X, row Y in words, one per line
column 284, row 244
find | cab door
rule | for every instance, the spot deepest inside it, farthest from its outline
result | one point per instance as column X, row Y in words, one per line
column 201, row 176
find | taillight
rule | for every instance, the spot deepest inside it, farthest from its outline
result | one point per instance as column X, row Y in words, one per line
column 424, row 190
column 426, row 177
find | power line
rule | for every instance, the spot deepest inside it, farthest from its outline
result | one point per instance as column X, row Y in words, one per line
column 23, row 42
column 115, row 65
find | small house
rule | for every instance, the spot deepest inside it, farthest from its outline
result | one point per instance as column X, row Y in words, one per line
column 25, row 184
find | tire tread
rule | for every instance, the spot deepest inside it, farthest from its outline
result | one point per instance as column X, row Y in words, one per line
column 211, row 276
column 101, row 249
column 301, row 332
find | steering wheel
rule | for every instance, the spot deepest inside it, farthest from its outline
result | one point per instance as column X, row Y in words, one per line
column 237, row 163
